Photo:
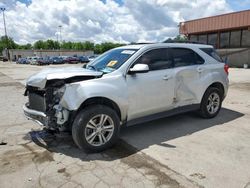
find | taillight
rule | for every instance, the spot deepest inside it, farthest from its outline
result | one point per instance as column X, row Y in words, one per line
column 226, row 68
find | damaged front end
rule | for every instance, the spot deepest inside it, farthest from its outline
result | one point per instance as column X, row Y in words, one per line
column 43, row 104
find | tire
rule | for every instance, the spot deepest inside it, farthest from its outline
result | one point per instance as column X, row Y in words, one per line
column 210, row 109
column 83, row 129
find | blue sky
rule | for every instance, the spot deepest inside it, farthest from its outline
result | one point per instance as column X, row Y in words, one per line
column 107, row 20
column 236, row 5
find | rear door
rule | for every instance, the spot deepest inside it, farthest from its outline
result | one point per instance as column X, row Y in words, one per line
column 188, row 70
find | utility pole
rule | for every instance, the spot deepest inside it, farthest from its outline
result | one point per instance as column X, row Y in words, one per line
column 6, row 36
column 60, row 38
column 60, row 32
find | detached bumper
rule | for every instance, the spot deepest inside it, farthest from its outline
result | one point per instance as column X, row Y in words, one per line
column 37, row 116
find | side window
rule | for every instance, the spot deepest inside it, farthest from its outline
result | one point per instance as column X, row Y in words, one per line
column 156, row 59
column 211, row 52
column 185, row 57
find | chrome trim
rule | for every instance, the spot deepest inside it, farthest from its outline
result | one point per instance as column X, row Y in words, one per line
column 33, row 112
column 36, row 116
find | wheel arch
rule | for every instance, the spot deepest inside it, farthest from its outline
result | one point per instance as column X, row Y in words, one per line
column 103, row 101
column 219, row 86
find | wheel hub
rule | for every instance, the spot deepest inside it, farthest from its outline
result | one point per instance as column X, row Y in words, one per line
column 99, row 130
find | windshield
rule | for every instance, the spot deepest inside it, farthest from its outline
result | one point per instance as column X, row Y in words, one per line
column 111, row 60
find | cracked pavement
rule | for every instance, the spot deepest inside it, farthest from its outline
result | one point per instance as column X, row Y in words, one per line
column 35, row 158
column 179, row 151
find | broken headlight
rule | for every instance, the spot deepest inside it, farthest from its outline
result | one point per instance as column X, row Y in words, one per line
column 58, row 93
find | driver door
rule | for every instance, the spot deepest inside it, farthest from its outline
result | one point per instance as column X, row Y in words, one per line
column 151, row 92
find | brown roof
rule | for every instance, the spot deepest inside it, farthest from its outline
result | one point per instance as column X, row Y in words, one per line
column 217, row 23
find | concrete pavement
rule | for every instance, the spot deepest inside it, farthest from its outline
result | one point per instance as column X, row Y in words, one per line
column 179, row 151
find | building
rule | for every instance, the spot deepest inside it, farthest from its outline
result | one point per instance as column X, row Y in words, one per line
column 16, row 53
column 223, row 31
column 230, row 33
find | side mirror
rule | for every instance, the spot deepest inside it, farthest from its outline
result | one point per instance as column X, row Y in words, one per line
column 84, row 65
column 139, row 68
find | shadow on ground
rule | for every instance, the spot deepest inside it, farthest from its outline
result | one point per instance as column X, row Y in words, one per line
column 139, row 137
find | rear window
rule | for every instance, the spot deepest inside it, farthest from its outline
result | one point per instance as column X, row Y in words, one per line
column 211, row 52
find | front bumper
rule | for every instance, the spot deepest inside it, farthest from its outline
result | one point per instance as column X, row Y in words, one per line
column 39, row 117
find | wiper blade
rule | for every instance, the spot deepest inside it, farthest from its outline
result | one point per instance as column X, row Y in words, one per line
column 93, row 67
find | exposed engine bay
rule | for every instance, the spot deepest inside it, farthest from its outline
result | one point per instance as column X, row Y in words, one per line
column 47, row 99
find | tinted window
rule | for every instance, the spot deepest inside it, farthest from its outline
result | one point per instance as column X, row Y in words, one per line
column 157, row 59
column 193, row 38
column 224, row 40
column 245, row 38
column 235, row 39
column 185, row 57
column 211, row 52
column 212, row 39
column 203, row 39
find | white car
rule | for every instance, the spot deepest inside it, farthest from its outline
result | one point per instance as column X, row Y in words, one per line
column 126, row 86
column 33, row 60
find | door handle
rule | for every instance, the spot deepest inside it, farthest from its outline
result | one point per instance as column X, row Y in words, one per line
column 200, row 69
column 167, row 77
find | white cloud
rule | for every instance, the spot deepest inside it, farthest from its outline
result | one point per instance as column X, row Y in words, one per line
column 134, row 20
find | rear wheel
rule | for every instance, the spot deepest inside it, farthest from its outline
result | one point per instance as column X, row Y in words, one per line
column 211, row 103
column 96, row 128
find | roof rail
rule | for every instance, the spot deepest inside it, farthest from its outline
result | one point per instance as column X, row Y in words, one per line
column 142, row 43
column 186, row 41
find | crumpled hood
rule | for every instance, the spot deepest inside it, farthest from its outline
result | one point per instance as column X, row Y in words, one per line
column 39, row 79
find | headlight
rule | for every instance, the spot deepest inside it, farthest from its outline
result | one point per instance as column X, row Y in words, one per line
column 58, row 93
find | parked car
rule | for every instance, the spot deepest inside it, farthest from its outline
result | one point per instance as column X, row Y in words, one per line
column 83, row 59
column 3, row 58
column 126, row 86
column 71, row 60
column 22, row 61
column 42, row 61
column 56, row 60
column 33, row 60
column 46, row 60
column 29, row 59
column 92, row 57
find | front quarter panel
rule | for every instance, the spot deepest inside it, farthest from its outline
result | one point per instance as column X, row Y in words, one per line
column 110, row 87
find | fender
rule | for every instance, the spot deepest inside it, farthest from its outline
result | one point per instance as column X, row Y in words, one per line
column 77, row 93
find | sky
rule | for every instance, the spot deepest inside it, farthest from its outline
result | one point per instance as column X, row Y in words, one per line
column 122, row 21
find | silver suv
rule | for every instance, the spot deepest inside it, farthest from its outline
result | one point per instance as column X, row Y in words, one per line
column 126, row 86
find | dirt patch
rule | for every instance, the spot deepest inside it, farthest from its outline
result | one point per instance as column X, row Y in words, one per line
column 14, row 160
column 38, row 157
column 11, row 84
column 132, row 158
column 240, row 86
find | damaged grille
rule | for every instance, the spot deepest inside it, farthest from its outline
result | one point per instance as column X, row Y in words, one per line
column 37, row 100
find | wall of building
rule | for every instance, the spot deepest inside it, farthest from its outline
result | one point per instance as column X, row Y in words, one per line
column 236, row 57
column 15, row 54
column 216, row 23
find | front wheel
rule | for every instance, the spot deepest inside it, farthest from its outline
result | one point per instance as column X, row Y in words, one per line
column 96, row 128
column 211, row 103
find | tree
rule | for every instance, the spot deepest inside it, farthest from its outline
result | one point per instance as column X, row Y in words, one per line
column 39, row 44
column 89, row 45
column 67, row 45
column 181, row 38
column 7, row 42
column 25, row 46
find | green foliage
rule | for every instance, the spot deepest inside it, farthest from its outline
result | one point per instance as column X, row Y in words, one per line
column 178, row 38
column 7, row 42
column 87, row 45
